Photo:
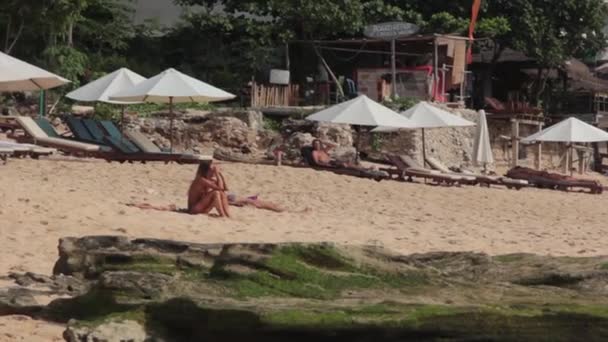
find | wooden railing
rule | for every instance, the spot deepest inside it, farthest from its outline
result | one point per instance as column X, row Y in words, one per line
column 274, row 95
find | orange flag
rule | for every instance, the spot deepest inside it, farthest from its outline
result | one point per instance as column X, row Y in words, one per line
column 474, row 13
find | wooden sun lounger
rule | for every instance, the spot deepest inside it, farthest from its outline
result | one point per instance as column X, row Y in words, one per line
column 554, row 181
column 406, row 169
column 41, row 138
column 483, row 180
column 141, row 141
column 21, row 150
column 130, row 152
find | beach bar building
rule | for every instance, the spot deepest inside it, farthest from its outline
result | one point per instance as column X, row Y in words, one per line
column 426, row 67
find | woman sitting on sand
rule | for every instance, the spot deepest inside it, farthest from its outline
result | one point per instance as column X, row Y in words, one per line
column 207, row 192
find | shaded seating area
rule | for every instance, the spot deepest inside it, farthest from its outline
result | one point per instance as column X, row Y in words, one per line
column 554, row 181
column 107, row 135
column 45, row 135
column 91, row 138
column 481, row 179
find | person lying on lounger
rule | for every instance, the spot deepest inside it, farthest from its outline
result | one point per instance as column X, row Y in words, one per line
column 320, row 156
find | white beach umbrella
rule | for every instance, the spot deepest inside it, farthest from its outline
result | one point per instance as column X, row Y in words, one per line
column 362, row 111
column 171, row 86
column 569, row 131
column 100, row 89
column 424, row 115
column 482, row 151
column 17, row 75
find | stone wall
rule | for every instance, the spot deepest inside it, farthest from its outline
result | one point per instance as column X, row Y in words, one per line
column 198, row 130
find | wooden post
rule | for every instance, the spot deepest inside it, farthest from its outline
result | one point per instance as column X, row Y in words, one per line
column 567, row 159
column 539, row 151
column 287, row 60
column 515, row 141
column 393, row 69
column 435, row 66
column 581, row 161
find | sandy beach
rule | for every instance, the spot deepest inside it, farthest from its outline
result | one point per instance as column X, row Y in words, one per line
column 44, row 200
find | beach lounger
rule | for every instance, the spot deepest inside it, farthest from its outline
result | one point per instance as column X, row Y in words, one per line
column 349, row 171
column 114, row 133
column 5, row 152
column 141, row 141
column 81, row 133
column 554, row 181
column 130, row 152
column 40, row 137
column 87, row 130
column 483, row 180
column 20, row 150
column 406, row 169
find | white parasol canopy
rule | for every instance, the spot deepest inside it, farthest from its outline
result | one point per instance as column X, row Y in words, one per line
column 569, row 131
column 171, row 86
column 100, row 90
column 362, row 111
column 482, row 151
column 17, row 75
column 425, row 115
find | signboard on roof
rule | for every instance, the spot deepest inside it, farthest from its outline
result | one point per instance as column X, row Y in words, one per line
column 391, row 30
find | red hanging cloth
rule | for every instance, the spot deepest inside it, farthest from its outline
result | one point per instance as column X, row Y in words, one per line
column 474, row 13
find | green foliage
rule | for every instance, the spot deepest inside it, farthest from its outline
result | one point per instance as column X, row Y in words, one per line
column 493, row 27
column 401, row 103
column 106, row 111
column 67, row 61
column 272, row 124
column 377, row 139
column 146, row 109
column 444, row 22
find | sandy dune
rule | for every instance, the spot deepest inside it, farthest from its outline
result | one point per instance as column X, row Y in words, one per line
column 41, row 201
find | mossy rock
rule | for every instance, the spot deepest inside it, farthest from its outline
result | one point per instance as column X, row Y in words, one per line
column 293, row 291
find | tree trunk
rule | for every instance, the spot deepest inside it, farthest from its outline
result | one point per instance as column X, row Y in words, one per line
column 10, row 47
column 71, row 34
column 539, row 84
column 8, row 32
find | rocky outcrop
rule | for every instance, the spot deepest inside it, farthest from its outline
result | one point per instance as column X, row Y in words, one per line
column 147, row 289
column 110, row 331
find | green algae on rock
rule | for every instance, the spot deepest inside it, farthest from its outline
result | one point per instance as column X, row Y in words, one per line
column 182, row 291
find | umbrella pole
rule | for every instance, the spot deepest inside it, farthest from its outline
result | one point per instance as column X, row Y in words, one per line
column 423, row 149
column 171, row 123
column 122, row 119
column 357, row 144
column 570, row 161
